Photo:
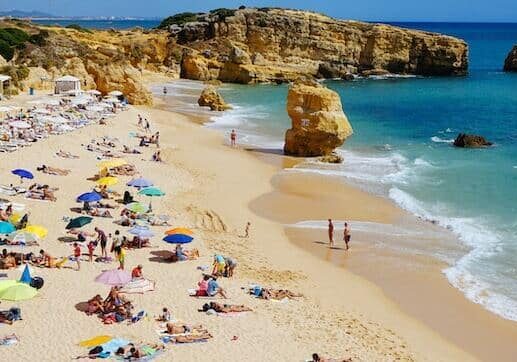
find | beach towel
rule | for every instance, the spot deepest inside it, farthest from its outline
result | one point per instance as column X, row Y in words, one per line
column 9, row 340
column 138, row 286
column 113, row 345
column 95, row 341
column 139, row 316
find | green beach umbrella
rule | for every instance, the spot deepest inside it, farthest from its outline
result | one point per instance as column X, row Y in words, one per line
column 137, row 207
column 79, row 222
column 151, row 191
column 19, row 291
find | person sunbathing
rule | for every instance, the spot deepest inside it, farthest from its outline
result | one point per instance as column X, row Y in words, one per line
column 99, row 213
column 317, row 358
column 95, row 305
column 141, row 352
column 104, row 205
column 64, row 154
column 277, row 294
column 130, row 151
column 53, row 170
column 191, row 338
column 181, row 328
column 157, row 157
column 8, row 261
column 3, row 215
column 225, row 308
column 45, row 259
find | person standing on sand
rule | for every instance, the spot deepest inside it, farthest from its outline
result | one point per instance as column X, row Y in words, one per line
column 247, row 230
column 77, row 255
column 346, row 235
column 233, row 138
column 331, row 233
column 140, row 120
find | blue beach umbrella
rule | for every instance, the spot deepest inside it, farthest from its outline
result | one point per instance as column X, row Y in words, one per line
column 23, row 173
column 178, row 239
column 140, row 182
column 89, row 197
column 6, row 227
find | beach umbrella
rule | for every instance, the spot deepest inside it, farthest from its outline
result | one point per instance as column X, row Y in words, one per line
column 23, row 237
column 26, row 275
column 89, row 197
column 107, row 181
column 78, row 222
column 114, row 277
column 184, row 231
column 140, row 182
column 6, row 109
column 94, row 108
column 95, row 92
column 151, row 191
column 40, row 111
column 137, row 207
column 115, row 162
column 178, row 239
column 20, row 124
column 4, row 284
column 116, row 93
column 6, row 227
column 17, row 292
column 142, row 232
column 39, row 230
column 23, row 173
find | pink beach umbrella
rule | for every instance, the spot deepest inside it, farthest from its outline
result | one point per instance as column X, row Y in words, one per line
column 114, row 277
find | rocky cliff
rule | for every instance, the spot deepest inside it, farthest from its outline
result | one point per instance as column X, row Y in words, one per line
column 319, row 124
column 258, row 45
column 510, row 64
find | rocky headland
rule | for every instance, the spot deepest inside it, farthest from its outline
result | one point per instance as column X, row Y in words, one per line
column 241, row 46
column 510, row 63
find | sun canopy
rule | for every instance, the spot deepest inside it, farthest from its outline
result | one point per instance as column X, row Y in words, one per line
column 140, row 182
column 151, row 191
column 178, row 239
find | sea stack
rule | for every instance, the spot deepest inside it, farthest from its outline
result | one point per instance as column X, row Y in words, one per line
column 510, row 64
column 471, row 141
column 210, row 98
column 319, row 124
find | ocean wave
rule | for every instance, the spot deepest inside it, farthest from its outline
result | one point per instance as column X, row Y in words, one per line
column 441, row 140
column 358, row 226
column 483, row 243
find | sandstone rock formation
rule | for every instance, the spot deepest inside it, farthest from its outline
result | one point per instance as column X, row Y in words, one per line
column 510, row 64
column 211, row 98
column 471, row 141
column 269, row 45
column 319, row 124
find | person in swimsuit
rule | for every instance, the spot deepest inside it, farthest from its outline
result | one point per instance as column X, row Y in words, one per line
column 331, row 232
column 102, row 239
column 346, row 235
column 77, row 255
column 233, row 138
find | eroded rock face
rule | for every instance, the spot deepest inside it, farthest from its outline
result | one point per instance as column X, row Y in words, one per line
column 319, row 124
column 510, row 64
column 256, row 45
column 471, row 141
column 211, row 98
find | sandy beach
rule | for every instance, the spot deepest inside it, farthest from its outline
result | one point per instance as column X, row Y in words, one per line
column 215, row 190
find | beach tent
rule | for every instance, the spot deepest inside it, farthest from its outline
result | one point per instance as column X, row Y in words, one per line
column 66, row 84
column 26, row 275
column 5, row 83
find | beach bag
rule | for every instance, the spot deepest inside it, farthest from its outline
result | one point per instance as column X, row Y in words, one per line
column 37, row 282
column 95, row 350
column 14, row 314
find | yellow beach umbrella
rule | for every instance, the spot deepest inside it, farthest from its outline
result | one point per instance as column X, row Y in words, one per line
column 183, row 231
column 107, row 181
column 15, row 218
column 37, row 229
column 115, row 162
column 95, row 341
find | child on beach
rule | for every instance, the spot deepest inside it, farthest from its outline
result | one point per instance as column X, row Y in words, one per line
column 247, row 230
column 165, row 316
column 91, row 248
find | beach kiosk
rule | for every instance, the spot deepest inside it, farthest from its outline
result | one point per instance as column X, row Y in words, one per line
column 5, row 84
column 67, row 84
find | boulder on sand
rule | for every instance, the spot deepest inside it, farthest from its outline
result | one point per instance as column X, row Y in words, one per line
column 471, row 141
column 210, row 98
column 319, row 124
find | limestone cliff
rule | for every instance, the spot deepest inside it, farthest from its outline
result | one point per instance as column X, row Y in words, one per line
column 510, row 64
column 319, row 124
column 211, row 98
column 256, row 45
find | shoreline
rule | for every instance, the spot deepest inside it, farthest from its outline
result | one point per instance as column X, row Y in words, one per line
column 410, row 292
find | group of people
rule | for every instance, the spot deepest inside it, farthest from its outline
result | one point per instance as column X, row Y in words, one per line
column 346, row 233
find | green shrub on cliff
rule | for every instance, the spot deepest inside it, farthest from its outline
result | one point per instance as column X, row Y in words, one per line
column 177, row 19
column 11, row 39
column 40, row 39
column 223, row 13
column 17, row 74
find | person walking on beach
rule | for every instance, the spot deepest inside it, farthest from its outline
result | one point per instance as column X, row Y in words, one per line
column 247, row 230
column 77, row 255
column 233, row 138
column 346, row 235
column 140, row 120
column 331, row 233
column 147, row 125
column 102, row 239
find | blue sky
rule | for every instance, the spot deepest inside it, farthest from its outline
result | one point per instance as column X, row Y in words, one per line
column 382, row 10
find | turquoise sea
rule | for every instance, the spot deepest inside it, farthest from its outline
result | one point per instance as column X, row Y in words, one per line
column 401, row 149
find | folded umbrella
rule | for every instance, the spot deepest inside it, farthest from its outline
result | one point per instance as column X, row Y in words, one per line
column 79, row 222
